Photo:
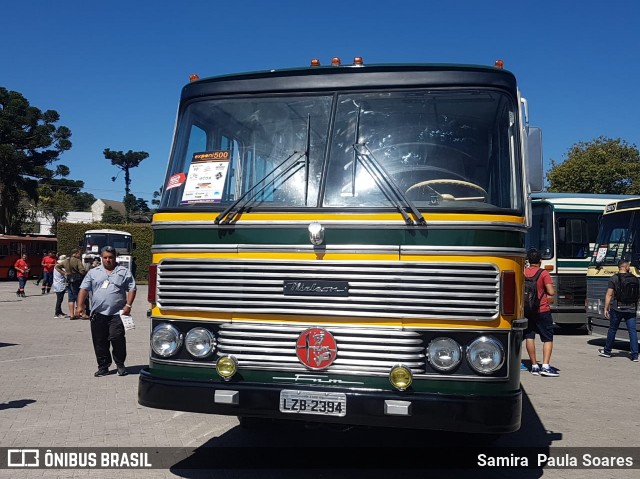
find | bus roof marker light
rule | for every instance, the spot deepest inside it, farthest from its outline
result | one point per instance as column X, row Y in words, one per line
column 315, row 62
column 335, row 61
column 358, row 62
column 193, row 77
column 499, row 64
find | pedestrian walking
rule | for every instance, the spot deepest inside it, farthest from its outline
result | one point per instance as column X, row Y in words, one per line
column 74, row 271
column 620, row 304
column 113, row 291
column 22, row 272
column 48, row 265
column 539, row 317
column 60, row 288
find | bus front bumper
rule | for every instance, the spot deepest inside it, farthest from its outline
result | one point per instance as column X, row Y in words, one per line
column 474, row 414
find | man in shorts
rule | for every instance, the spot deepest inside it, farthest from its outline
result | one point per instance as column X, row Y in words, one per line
column 540, row 322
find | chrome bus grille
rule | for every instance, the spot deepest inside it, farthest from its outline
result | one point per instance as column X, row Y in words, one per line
column 375, row 289
column 260, row 346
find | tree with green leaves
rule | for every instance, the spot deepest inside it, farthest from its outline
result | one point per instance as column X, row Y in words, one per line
column 111, row 216
column 125, row 161
column 29, row 143
column 157, row 196
column 603, row 165
column 54, row 204
column 82, row 201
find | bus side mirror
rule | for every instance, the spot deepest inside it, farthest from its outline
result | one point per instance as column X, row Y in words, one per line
column 134, row 245
column 534, row 158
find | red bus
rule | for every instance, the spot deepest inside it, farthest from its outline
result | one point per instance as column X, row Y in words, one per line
column 13, row 246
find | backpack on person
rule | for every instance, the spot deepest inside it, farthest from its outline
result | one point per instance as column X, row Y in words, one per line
column 531, row 298
column 628, row 289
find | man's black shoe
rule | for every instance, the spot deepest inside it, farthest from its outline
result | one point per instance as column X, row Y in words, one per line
column 101, row 372
column 122, row 371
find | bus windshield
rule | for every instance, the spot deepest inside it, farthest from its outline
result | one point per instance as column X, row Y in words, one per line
column 575, row 232
column 93, row 242
column 618, row 239
column 442, row 149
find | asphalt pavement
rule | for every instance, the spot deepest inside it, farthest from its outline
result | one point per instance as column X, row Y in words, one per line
column 49, row 398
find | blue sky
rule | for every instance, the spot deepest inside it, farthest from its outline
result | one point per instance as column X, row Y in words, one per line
column 114, row 70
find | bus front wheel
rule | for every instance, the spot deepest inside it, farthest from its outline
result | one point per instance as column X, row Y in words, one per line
column 11, row 274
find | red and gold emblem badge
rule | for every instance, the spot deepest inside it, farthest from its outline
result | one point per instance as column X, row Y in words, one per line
column 316, row 348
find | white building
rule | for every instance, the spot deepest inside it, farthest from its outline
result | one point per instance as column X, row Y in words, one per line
column 72, row 217
column 98, row 207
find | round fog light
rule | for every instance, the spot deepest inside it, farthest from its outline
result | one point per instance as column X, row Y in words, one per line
column 226, row 366
column 400, row 377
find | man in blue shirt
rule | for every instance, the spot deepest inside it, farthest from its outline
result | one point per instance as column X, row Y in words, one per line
column 113, row 289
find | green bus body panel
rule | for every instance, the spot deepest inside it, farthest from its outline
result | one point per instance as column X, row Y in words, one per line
column 573, row 263
column 364, row 236
column 449, row 386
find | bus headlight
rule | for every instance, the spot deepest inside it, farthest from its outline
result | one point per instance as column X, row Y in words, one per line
column 200, row 343
column 400, row 377
column 165, row 340
column 444, row 354
column 485, row 355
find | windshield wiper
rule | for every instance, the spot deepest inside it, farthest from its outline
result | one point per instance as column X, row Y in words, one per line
column 238, row 206
column 382, row 179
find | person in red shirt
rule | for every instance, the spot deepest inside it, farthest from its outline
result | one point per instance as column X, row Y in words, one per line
column 542, row 321
column 48, row 264
column 22, row 268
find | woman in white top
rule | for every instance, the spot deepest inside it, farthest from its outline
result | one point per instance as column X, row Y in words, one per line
column 60, row 287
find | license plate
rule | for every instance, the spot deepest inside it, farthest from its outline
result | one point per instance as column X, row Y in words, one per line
column 305, row 402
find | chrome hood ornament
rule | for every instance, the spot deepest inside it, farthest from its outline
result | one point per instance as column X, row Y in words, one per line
column 316, row 233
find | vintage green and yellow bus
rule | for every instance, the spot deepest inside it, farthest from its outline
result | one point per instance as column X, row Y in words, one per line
column 345, row 244
column 618, row 238
column 564, row 228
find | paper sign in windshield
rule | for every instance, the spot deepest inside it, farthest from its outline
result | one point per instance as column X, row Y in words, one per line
column 206, row 177
column 602, row 253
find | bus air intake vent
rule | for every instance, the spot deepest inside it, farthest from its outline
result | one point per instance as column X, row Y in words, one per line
column 360, row 350
column 466, row 291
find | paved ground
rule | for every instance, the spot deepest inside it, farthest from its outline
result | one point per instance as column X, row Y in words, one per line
column 49, row 398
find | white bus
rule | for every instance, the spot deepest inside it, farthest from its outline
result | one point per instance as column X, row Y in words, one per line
column 564, row 229
column 94, row 240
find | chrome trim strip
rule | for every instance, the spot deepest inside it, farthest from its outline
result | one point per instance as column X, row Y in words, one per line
column 461, row 250
column 328, row 324
column 336, row 313
column 276, row 248
column 431, row 376
column 377, row 224
column 351, row 249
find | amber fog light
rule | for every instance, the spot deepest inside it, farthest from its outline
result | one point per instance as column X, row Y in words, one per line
column 400, row 377
column 226, row 366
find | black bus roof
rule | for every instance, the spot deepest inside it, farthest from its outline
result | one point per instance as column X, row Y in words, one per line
column 333, row 78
